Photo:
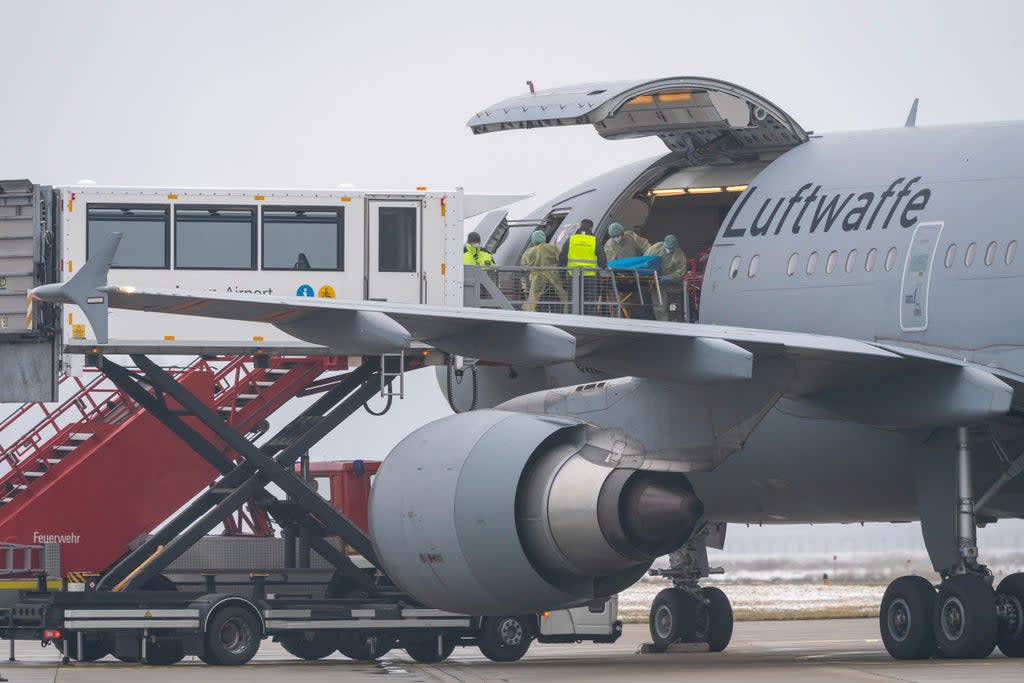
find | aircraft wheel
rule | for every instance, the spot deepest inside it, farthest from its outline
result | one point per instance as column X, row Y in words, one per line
column 714, row 620
column 906, row 618
column 966, row 621
column 309, row 645
column 364, row 647
column 673, row 618
column 505, row 639
column 426, row 650
column 1011, row 629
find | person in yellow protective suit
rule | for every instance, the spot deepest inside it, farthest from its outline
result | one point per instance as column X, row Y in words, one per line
column 475, row 255
column 673, row 267
column 543, row 259
column 622, row 243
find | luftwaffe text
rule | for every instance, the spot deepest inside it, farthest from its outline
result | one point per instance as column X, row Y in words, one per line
column 812, row 210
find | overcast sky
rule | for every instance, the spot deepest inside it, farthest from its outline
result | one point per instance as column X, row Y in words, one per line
column 297, row 94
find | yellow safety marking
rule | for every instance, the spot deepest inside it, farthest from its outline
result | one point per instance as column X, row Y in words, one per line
column 71, row 205
column 257, row 338
column 326, row 292
column 28, row 309
column 172, row 196
column 443, row 267
column 69, row 266
column 168, row 337
column 71, row 318
column 346, row 199
column 259, row 198
column 78, row 331
column 27, row 584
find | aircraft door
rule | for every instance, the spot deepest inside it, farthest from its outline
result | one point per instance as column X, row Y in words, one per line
column 917, row 275
column 394, row 247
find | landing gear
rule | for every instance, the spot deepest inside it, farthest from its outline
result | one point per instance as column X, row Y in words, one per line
column 1010, row 594
column 687, row 613
column 966, row 618
column 966, row 621
column 673, row 618
column 906, row 618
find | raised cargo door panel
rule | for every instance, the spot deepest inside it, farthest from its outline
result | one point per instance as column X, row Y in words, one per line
column 689, row 114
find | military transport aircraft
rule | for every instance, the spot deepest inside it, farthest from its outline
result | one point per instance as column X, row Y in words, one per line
column 857, row 358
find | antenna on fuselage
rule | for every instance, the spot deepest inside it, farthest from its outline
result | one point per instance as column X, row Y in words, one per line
column 912, row 116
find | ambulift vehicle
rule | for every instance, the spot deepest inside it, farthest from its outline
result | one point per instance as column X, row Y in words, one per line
column 136, row 612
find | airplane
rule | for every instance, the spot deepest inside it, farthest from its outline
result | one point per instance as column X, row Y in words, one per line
column 856, row 358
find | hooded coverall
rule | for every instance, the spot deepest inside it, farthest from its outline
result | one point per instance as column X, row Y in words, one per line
column 673, row 267
column 544, row 257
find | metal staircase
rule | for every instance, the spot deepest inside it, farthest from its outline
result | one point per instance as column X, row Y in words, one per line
column 96, row 471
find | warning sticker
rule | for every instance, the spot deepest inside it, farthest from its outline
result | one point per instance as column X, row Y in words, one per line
column 325, row 292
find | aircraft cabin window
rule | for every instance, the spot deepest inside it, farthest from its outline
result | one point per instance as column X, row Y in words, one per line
column 215, row 237
column 950, row 255
column 755, row 261
column 812, row 262
column 794, row 260
column 146, row 228
column 990, row 253
column 870, row 259
column 734, row 267
column 830, row 262
column 303, row 238
column 851, row 260
column 397, row 251
column 890, row 259
column 1011, row 252
column 969, row 254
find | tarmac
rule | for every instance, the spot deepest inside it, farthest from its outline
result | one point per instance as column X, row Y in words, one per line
column 777, row 651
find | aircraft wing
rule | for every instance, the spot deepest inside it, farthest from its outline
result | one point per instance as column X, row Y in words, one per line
column 864, row 381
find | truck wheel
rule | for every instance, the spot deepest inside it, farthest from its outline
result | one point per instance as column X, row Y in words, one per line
column 505, row 639
column 426, row 651
column 93, row 648
column 233, row 636
column 309, row 645
column 364, row 647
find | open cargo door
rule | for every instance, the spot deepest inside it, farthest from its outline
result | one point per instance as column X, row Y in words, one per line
column 707, row 120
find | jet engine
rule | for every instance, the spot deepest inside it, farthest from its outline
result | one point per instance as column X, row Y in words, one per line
column 493, row 512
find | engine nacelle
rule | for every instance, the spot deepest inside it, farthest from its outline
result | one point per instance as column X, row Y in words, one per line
column 492, row 512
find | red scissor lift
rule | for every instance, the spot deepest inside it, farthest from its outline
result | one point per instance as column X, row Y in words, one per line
column 97, row 471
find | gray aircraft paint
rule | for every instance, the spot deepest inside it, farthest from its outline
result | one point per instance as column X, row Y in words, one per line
column 974, row 192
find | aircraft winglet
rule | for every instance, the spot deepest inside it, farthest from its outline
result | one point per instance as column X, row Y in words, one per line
column 85, row 289
column 912, row 116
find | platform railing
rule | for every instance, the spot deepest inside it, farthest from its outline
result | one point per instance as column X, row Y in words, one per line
column 605, row 292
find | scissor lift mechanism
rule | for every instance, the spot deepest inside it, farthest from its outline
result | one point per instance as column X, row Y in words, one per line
column 135, row 615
